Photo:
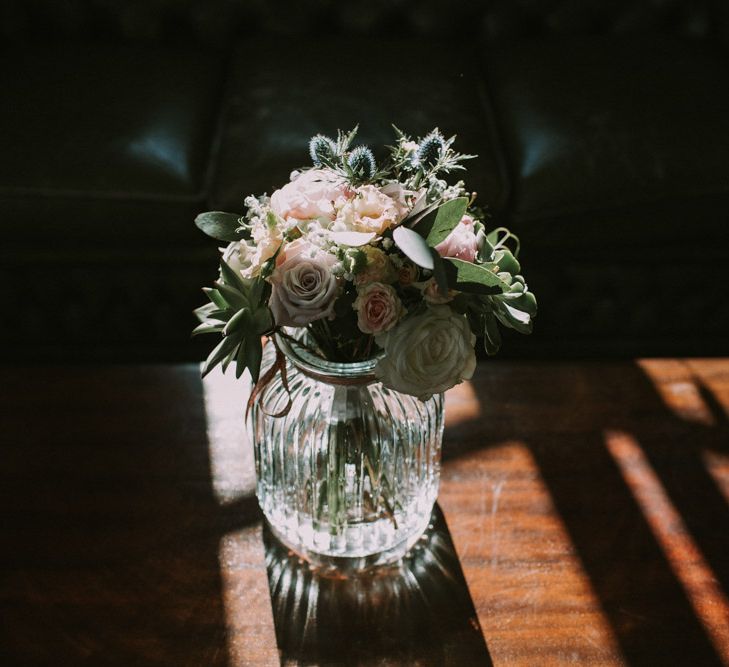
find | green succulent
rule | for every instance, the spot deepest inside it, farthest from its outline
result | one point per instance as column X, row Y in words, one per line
column 238, row 311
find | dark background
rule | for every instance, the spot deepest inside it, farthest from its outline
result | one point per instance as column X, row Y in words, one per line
column 602, row 130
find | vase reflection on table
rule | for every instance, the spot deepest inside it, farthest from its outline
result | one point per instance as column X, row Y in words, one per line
column 418, row 611
column 347, row 470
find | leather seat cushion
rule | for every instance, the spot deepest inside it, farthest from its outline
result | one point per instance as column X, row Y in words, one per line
column 612, row 141
column 106, row 141
column 280, row 97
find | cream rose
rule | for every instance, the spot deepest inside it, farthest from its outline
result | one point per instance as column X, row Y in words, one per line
column 304, row 287
column 369, row 210
column 428, row 353
column 312, row 194
column 461, row 243
column 378, row 268
column 378, row 308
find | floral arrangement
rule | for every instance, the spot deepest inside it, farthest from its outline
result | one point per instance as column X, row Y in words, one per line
column 372, row 259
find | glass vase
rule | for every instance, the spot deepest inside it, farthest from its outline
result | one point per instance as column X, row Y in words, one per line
column 347, row 470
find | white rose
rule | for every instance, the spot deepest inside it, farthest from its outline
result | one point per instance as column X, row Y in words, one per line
column 304, row 285
column 237, row 256
column 313, row 194
column 428, row 353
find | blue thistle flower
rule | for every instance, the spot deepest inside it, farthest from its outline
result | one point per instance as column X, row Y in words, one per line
column 430, row 149
column 362, row 163
column 321, row 149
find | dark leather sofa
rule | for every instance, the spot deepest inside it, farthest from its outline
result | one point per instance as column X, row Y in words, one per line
column 602, row 130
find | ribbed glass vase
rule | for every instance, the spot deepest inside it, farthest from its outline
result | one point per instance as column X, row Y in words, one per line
column 348, row 476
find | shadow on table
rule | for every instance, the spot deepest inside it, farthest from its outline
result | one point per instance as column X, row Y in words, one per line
column 419, row 612
column 110, row 530
column 564, row 419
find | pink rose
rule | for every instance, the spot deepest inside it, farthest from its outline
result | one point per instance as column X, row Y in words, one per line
column 312, row 194
column 461, row 243
column 304, row 287
column 378, row 308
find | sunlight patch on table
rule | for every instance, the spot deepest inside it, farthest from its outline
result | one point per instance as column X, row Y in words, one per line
column 231, row 454
column 462, row 404
column 500, row 513
column 682, row 553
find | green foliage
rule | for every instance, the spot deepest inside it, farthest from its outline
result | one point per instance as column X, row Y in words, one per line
column 221, row 226
column 238, row 311
column 474, row 278
column 438, row 224
column 413, row 246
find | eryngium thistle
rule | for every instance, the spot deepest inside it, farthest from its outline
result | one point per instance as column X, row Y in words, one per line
column 321, row 149
column 362, row 162
column 430, row 149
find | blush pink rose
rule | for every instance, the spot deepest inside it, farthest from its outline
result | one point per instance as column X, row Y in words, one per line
column 378, row 308
column 304, row 287
column 461, row 243
column 313, row 194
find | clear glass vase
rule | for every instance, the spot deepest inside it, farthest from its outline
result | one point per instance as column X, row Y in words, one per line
column 348, row 476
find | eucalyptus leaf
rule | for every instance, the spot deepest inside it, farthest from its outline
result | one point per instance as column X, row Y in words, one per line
column 353, row 239
column 220, row 226
column 445, row 221
column 469, row 277
column 439, row 272
column 413, row 246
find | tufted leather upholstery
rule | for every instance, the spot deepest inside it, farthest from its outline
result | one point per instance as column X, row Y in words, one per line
column 115, row 139
column 606, row 138
column 601, row 127
column 274, row 108
column 215, row 22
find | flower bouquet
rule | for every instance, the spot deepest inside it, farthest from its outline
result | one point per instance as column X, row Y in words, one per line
column 373, row 279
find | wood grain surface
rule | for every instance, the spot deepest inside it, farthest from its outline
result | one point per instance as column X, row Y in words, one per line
column 585, row 520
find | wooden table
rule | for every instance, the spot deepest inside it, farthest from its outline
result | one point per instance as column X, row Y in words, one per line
column 586, row 522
